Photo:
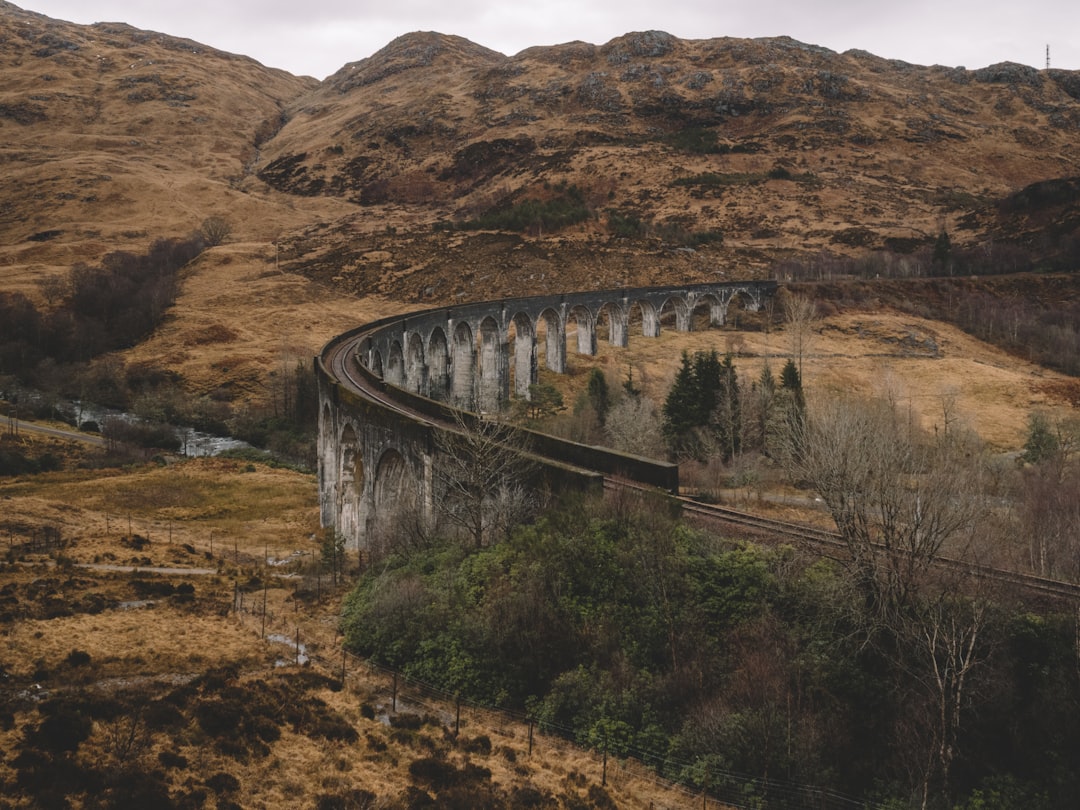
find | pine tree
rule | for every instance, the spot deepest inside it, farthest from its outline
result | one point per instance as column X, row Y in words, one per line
column 708, row 381
column 681, row 408
column 791, row 381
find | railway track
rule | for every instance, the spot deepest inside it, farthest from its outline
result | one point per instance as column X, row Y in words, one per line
column 833, row 545
column 338, row 358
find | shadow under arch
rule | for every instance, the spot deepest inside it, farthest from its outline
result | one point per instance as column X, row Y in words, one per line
column 350, row 483
column 524, row 369
column 463, row 366
column 438, row 365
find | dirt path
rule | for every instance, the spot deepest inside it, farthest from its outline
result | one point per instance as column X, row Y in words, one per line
column 18, row 425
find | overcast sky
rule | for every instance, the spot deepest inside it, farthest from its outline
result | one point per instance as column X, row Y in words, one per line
column 316, row 37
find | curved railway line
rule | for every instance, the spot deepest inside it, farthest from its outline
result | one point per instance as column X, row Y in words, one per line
column 339, row 359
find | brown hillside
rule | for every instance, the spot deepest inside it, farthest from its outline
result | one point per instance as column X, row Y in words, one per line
column 111, row 137
column 781, row 147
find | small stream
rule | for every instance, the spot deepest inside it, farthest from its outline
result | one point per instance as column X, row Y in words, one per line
column 193, row 443
column 300, row 652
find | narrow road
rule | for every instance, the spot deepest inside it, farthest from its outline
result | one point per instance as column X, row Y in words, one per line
column 10, row 425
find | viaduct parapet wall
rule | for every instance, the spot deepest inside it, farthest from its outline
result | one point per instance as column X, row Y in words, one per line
column 387, row 387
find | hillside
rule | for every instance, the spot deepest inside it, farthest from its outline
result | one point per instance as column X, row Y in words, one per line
column 661, row 148
column 679, row 159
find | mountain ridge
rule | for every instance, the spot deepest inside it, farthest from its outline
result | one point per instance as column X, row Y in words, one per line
column 687, row 157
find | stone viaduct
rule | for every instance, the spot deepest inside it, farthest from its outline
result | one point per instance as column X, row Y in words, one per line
column 387, row 387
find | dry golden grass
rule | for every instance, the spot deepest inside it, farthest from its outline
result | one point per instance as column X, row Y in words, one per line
column 924, row 365
column 159, row 642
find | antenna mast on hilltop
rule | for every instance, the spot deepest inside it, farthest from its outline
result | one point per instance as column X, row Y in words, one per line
column 1048, row 56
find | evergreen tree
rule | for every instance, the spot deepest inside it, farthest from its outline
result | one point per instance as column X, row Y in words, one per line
column 708, row 380
column 1042, row 442
column 791, row 381
column 681, row 408
column 789, row 416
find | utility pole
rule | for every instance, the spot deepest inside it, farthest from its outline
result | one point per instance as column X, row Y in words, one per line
column 1048, row 56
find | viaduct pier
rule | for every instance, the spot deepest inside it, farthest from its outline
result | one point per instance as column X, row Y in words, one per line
column 386, row 388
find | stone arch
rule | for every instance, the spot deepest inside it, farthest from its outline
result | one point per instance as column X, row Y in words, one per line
column 617, row 317
column 676, row 312
column 350, row 483
column 438, row 364
column 649, row 317
column 736, row 306
column 524, row 369
column 554, row 340
column 391, row 489
column 395, row 365
column 708, row 311
column 492, row 365
column 585, row 326
column 463, row 366
column 415, row 368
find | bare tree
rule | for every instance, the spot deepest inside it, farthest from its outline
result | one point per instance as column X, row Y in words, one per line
column 215, row 230
column 897, row 496
column 633, row 426
column 800, row 314
column 482, row 469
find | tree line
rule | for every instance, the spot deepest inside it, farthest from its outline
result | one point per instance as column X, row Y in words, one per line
column 93, row 310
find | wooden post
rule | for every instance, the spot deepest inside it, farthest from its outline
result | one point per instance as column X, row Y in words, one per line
column 393, row 702
column 530, row 736
column 457, row 719
column 298, row 646
column 603, row 775
column 343, row 654
column 211, row 542
column 264, row 608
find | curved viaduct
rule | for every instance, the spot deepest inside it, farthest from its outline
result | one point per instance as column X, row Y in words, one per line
column 386, row 389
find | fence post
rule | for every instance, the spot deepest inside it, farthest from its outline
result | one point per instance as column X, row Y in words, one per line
column 603, row 776
column 530, row 736
column 298, row 645
column 457, row 719
column 343, row 654
column 393, row 703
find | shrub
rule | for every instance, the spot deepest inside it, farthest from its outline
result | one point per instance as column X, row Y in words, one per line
column 170, row 759
column 77, row 658
column 477, row 745
column 434, row 772
column 223, row 783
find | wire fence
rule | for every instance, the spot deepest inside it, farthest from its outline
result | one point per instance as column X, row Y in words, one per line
column 629, row 769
